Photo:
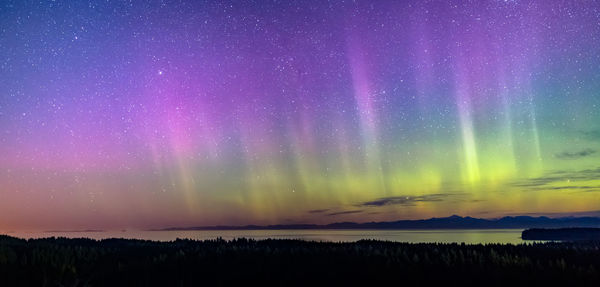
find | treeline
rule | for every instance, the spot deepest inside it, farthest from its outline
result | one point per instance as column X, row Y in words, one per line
column 121, row 262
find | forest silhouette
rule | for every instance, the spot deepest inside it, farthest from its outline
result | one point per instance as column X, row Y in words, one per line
column 125, row 262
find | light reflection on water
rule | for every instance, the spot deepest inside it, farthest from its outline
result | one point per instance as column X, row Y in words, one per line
column 468, row 236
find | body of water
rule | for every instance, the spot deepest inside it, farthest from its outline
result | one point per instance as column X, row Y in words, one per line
column 469, row 236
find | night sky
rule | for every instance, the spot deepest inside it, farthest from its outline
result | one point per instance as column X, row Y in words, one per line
column 125, row 114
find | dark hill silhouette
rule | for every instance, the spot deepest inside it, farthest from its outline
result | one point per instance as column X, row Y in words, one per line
column 561, row 234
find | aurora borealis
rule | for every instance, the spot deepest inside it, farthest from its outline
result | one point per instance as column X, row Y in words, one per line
column 118, row 114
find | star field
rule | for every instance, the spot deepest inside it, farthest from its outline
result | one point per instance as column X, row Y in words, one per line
column 123, row 114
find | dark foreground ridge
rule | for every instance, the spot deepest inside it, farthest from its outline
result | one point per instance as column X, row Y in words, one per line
column 562, row 234
column 121, row 262
column 451, row 222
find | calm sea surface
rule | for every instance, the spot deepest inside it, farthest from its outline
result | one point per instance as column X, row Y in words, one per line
column 413, row 236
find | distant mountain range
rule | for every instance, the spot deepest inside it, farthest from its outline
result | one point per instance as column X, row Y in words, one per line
column 451, row 222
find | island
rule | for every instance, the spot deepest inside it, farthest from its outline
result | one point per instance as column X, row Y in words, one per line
column 563, row 234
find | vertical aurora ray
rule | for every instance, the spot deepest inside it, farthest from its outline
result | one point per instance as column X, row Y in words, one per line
column 469, row 148
column 465, row 90
column 135, row 115
column 365, row 107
